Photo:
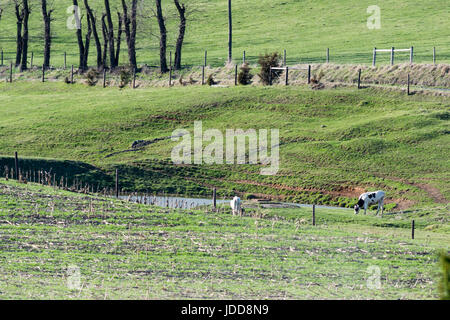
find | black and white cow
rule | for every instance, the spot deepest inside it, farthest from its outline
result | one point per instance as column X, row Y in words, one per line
column 369, row 198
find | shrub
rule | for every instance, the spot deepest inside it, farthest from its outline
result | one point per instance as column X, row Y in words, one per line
column 244, row 76
column 91, row 77
column 125, row 78
column 315, row 81
column 191, row 80
column 181, row 81
column 266, row 61
column 210, row 81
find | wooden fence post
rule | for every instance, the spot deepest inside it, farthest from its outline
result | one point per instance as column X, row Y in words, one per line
column 203, row 75
column 270, row 76
column 243, row 57
column 236, row 75
column 374, row 59
column 10, row 72
column 287, row 76
column 117, row 183
column 71, row 75
column 408, row 85
column 411, row 55
column 2, row 58
column 205, row 60
column 16, row 164
column 43, row 73
column 32, row 56
column 412, row 229
column 284, row 58
column 309, row 74
column 359, row 79
column 214, row 198
column 65, row 60
column 104, row 77
column 314, row 215
column 170, row 76
column 392, row 56
column 434, row 55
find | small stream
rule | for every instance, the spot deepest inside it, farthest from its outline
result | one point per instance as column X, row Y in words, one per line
column 173, row 202
column 191, row 203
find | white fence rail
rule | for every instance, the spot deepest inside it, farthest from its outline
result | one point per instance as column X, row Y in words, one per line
column 392, row 51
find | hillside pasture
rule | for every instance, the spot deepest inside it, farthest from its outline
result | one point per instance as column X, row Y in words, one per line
column 129, row 251
column 305, row 29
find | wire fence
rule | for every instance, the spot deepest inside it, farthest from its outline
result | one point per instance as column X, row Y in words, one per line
column 429, row 55
column 229, row 75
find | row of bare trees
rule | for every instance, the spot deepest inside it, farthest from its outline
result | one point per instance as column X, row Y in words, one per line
column 98, row 26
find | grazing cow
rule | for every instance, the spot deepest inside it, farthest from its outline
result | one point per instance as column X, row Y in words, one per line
column 236, row 206
column 369, row 198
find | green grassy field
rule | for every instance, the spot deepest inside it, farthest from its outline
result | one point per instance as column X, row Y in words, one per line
column 304, row 28
column 130, row 251
column 334, row 143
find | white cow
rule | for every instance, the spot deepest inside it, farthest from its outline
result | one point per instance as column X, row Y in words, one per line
column 236, row 206
column 369, row 198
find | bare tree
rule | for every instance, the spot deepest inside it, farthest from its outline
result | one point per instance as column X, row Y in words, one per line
column 105, row 41
column 46, row 14
column 26, row 16
column 82, row 46
column 108, row 28
column 119, row 37
column 130, row 25
column 22, row 11
column 19, row 11
column 93, row 19
column 163, row 37
column 181, row 31
column 110, row 34
column 230, row 33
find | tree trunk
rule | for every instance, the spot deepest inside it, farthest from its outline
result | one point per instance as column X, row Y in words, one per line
column 105, row 41
column 86, row 44
column 230, row 33
column 163, row 37
column 130, row 32
column 81, row 48
column 19, row 16
column 181, row 31
column 47, row 34
column 119, row 38
column 98, row 45
column 26, row 15
column 112, row 53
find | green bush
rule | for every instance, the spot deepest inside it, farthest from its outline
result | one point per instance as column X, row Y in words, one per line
column 125, row 78
column 266, row 62
column 91, row 77
column 244, row 76
column 210, row 81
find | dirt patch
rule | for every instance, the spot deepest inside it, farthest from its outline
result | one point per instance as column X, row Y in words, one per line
column 343, row 192
column 402, row 204
column 432, row 192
